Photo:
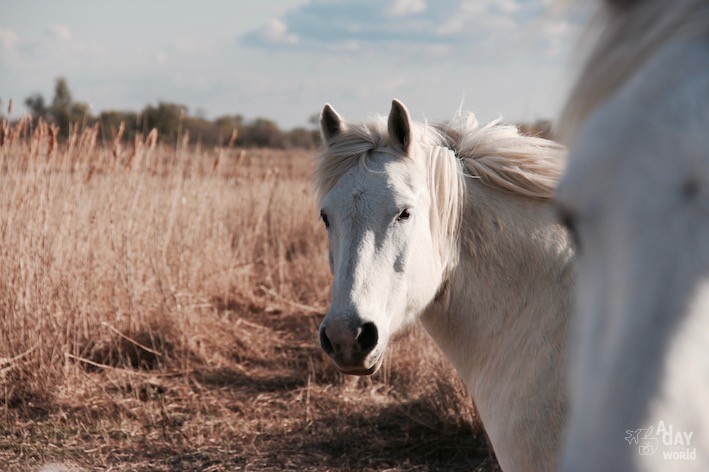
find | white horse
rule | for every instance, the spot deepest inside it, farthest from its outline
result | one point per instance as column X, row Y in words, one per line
column 451, row 224
column 636, row 194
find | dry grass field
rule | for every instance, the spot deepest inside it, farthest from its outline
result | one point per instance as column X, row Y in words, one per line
column 159, row 307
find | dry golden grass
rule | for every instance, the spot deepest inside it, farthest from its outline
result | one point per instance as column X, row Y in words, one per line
column 159, row 309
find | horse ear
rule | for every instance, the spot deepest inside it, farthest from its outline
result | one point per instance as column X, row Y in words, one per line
column 331, row 123
column 400, row 125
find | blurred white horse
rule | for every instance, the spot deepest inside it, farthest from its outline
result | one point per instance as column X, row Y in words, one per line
column 451, row 224
column 636, row 194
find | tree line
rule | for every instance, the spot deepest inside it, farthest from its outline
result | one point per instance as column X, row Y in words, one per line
column 172, row 121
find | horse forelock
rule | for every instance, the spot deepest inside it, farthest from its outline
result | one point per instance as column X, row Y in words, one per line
column 346, row 150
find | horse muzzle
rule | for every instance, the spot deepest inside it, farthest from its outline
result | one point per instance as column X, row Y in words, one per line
column 354, row 351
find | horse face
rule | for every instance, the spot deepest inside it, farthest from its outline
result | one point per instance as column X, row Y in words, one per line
column 633, row 203
column 381, row 256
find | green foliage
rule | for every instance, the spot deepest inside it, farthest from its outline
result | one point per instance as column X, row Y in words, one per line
column 166, row 117
column 262, row 133
column 111, row 120
column 62, row 96
column 303, row 138
column 36, row 105
column 202, row 130
column 226, row 124
column 63, row 110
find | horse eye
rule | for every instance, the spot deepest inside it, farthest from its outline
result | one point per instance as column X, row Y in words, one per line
column 404, row 215
column 323, row 216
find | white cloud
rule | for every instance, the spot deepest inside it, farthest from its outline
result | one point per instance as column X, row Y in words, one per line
column 276, row 31
column 60, row 31
column 194, row 46
column 8, row 39
column 500, row 23
column 508, row 6
column 484, row 6
column 348, row 46
column 477, row 31
column 407, row 7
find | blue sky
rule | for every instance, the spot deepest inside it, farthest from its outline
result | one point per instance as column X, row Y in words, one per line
column 283, row 59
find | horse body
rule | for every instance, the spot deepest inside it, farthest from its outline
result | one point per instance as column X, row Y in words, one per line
column 637, row 191
column 450, row 225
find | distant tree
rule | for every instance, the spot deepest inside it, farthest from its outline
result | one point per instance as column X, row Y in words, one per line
column 63, row 110
column 172, row 121
column 314, row 121
column 35, row 103
column 111, row 121
column 166, row 117
column 202, row 130
column 60, row 108
column 303, row 138
column 262, row 132
column 62, row 96
column 226, row 124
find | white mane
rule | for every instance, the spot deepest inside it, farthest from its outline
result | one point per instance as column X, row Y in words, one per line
column 495, row 153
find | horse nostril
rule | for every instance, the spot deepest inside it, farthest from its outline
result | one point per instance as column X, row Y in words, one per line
column 367, row 338
column 325, row 343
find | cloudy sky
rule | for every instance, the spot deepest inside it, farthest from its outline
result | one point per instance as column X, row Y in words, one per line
column 283, row 59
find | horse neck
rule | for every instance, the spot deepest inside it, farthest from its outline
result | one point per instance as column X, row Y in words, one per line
column 502, row 320
column 512, row 259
